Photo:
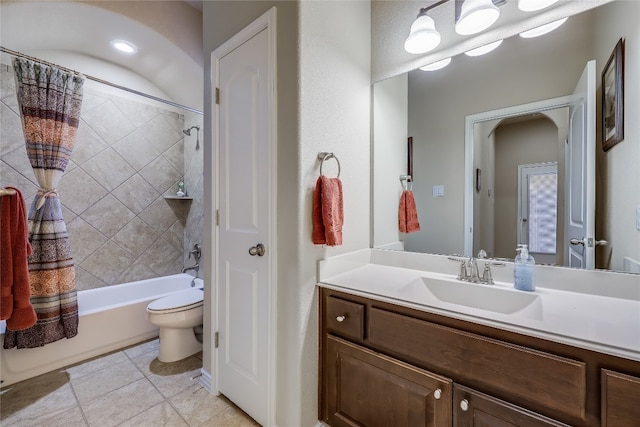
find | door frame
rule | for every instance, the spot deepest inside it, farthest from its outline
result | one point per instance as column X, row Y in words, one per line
column 469, row 174
column 266, row 21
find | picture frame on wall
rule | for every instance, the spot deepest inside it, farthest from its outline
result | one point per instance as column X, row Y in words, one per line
column 613, row 98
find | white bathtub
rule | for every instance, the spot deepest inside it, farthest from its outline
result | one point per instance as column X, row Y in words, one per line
column 111, row 318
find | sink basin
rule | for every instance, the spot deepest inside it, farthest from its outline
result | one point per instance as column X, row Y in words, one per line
column 478, row 296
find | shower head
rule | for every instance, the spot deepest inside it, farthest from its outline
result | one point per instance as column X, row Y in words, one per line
column 188, row 131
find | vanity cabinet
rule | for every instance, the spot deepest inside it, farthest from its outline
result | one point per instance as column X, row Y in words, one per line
column 382, row 364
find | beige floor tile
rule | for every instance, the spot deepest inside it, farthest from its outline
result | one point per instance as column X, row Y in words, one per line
column 158, row 416
column 31, row 399
column 113, row 377
column 63, row 418
column 94, row 365
column 169, row 378
column 231, row 417
column 197, row 406
column 145, row 347
column 121, row 404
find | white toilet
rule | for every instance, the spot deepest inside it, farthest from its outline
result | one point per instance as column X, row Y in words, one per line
column 176, row 315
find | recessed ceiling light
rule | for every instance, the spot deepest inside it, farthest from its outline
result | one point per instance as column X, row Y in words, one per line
column 436, row 65
column 483, row 49
column 542, row 29
column 124, row 46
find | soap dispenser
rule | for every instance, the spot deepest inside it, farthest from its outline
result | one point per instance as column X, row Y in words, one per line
column 523, row 269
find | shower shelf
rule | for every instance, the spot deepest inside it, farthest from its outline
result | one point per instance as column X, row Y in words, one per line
column 178, row 197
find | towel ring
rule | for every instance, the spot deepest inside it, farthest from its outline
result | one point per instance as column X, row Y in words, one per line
column 325, row 156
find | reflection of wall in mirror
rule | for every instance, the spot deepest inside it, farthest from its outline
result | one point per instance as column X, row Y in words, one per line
column 439, row 102
column 390, row 159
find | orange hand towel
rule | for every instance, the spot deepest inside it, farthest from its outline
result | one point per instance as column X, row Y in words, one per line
column 15, row 290
column 408, row 213
column 328, row 212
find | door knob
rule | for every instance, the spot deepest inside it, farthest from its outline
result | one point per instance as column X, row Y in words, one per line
column 464, row 405
column 591, row 242
column 257, row 250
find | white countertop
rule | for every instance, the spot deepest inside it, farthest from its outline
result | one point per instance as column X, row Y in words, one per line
column 593, row 310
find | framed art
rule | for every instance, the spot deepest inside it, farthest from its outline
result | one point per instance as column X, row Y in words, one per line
column 613, row 98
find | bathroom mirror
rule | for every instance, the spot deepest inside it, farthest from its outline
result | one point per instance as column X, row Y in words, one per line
column 431, row 107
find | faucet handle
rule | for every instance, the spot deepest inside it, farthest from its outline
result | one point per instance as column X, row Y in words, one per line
column 462, row 275
column 196, row 252
column 487, row 277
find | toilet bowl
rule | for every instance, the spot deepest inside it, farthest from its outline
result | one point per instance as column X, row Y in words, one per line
column 176, row 315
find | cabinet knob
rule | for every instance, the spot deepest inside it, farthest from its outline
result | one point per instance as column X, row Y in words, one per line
column 464, row 405
column 341, row 318
column 437, row 394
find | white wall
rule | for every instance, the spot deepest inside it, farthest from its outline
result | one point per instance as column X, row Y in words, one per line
column 323, row 105
column 617, row 171
column 390, row 110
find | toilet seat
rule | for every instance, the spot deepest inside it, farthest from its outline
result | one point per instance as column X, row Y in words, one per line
column 176, row 302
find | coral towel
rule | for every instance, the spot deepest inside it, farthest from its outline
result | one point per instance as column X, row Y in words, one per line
column 328, row 212
column 407, row 213
column 15, row 290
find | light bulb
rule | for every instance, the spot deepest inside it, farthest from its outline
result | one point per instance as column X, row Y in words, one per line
column 436, row 65
column 542, row 29
column 423, row 36
column 476, row 16
column 483, row 49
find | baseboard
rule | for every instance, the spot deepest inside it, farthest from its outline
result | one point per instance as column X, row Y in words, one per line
column 205, row 381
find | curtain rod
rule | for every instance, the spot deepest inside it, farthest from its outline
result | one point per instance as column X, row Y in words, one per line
column 95, row 79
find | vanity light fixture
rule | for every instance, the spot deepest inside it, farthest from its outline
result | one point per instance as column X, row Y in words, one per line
column 543, row 29
column 423, row 36
column 475, row 16
column 124, row 46
column 483, row 49
column 533, row 5
column 471, row 17
column 438, row 65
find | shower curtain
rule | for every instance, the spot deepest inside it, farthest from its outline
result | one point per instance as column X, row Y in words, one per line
column 49, row 100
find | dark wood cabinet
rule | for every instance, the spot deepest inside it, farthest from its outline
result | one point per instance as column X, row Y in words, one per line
column 475, row 409
column 365, row 388
column 620, row 399
column 382, row 364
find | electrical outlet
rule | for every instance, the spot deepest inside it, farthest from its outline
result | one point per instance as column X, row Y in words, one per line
column 438, row 191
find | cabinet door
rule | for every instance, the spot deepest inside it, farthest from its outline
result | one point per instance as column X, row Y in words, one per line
column 620, row 399
column 472, row 408
column 365, row 388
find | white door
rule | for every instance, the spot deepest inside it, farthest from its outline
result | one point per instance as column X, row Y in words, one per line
column 580, row 171
column 538, row 210
column 246, row 152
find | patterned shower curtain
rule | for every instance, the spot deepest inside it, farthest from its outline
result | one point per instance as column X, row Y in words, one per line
column 49, row 100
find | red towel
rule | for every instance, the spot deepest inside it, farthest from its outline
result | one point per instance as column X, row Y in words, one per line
column 15, row 290
column 328, row 212
column 408, row 213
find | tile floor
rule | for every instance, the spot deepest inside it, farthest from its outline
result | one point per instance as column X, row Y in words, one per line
column 125, row 388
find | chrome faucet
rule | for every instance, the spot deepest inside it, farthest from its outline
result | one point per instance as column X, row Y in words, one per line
column 195, row 267
column 469, row 269
column 197, row 254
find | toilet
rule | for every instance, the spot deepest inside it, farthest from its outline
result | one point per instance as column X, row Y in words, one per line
column 177, row 315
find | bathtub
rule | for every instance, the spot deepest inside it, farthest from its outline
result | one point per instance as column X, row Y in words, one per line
column 111, row 318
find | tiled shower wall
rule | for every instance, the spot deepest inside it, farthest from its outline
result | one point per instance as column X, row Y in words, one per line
column 128, row 154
